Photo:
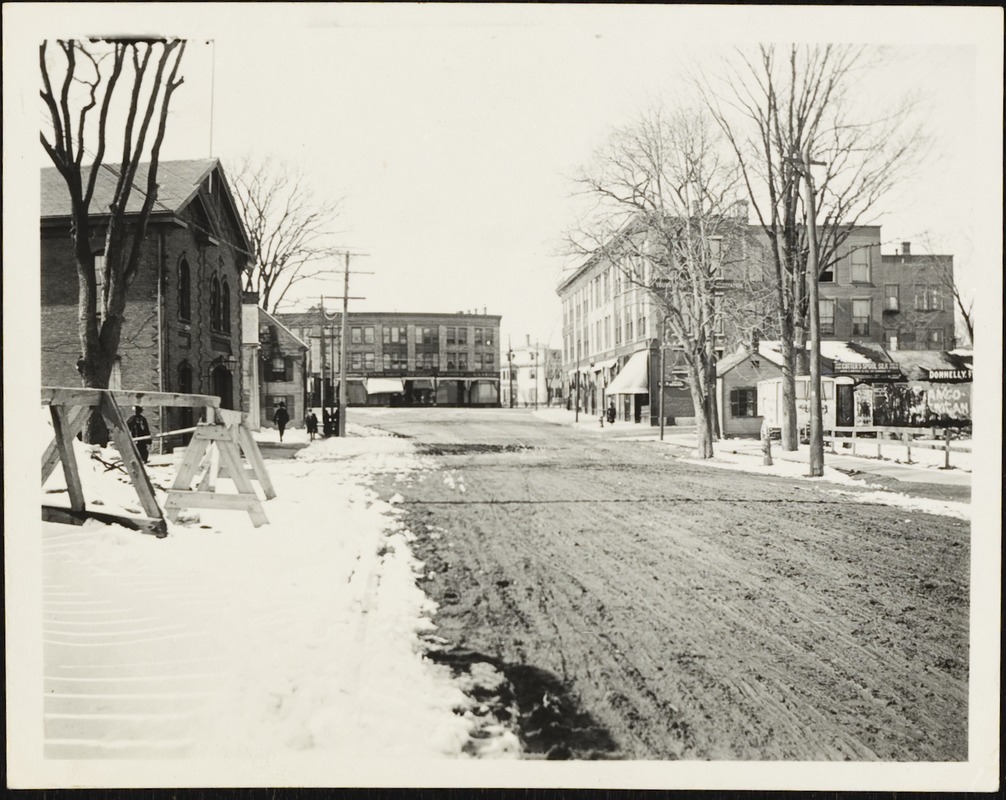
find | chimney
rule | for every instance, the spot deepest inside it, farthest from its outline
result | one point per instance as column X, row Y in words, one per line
column 249, row 298
column 755, row 341
column 528, row 337
column 484, row 310
column 906, row 248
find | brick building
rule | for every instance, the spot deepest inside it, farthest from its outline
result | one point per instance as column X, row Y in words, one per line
column 402, row 358
column 918, row 301
column 181, row 330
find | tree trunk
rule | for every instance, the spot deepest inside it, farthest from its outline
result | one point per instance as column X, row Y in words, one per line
column 700, row 405
column 788, row 423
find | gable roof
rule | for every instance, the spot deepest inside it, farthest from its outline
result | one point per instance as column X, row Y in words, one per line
column 265, row 318
column 178, row 185
column 177, row 182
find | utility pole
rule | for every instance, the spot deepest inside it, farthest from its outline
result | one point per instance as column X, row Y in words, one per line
column 577, row 416
column 816, row 432
column 663, row 373
column 537, row 371
column 342, row 349
column 321, row 338
column 509, row 355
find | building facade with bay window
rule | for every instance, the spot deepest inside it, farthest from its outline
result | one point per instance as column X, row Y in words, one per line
column 401, row 358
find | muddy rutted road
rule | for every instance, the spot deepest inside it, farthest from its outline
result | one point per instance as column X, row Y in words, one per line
column 662, row 610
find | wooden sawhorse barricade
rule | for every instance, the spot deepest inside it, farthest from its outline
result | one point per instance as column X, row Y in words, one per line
column 215, row 449
column 223, row 437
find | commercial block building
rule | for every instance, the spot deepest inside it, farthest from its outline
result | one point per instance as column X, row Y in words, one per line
column 401, row 358
column 182, row 324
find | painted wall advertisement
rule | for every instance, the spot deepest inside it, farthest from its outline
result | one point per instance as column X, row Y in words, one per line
column 950, row 400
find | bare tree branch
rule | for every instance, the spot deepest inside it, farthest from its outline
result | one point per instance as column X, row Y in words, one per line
column 289, row 228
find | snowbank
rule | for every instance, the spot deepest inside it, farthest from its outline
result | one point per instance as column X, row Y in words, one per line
column 302, row 636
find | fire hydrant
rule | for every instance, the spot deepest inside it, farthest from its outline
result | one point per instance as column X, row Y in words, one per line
column 766, row 444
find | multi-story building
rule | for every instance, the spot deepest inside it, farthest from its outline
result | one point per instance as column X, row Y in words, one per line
column 611, row 327
column 181, row 330
column 917, row 301
column 607, row 322
column 401, row 358
column 531, row 375
column 850, row 290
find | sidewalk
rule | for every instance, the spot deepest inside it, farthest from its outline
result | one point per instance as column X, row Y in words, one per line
column 926, row 469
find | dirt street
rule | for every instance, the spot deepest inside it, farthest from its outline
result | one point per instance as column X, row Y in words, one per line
column 646, row 608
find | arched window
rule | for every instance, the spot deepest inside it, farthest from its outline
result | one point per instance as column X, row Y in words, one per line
column 215, row 304
column 184, row 290
column 225, row 307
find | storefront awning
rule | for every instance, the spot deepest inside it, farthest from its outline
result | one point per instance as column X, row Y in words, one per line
column 422, row 383
column 384, row 386
column 634, row 377
column 604, row 364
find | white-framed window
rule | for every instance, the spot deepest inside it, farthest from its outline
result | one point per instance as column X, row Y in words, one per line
column 860, row 317
column 860, row 258
column 826, row 316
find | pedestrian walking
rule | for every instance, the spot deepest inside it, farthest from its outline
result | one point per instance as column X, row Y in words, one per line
column 335, row 419
column 139, row 430
column 312, row 424
column 611, row 413
column 281, row 418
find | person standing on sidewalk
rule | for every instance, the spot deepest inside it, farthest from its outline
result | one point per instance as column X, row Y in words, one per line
column 139, row 429
column 281, row 418
column 312, row 424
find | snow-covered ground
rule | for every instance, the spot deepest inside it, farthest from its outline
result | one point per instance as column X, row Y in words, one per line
column 306, row 635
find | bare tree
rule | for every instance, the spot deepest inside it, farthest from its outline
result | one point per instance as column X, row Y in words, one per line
column 288, row 227
column 665, row 214
column 782, row 102
column 79, row 78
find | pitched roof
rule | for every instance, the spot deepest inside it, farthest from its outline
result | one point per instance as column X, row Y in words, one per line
column 265, row 318
column 178, row 182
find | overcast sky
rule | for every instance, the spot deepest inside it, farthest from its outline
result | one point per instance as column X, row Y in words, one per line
column 451, row 132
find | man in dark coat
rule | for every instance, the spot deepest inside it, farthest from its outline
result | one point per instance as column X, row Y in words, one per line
column 139, row 429
column 312, row 424
column 281, row 418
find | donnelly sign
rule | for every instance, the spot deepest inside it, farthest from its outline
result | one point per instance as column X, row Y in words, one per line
column 950, row 375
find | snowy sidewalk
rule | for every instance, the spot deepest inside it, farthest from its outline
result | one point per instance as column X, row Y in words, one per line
column 227, row 640
column 925, row 469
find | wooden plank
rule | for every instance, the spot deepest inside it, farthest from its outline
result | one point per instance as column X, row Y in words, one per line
column 218, row 433
column 64, row 445
column 130, row 456
column 79, row 396
column 234, row 502
column 77, row 418
column 209, row 481
column 67, row 516
column 254, row 456
column 230, row 458
column 190, row 463
column 230, row 417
